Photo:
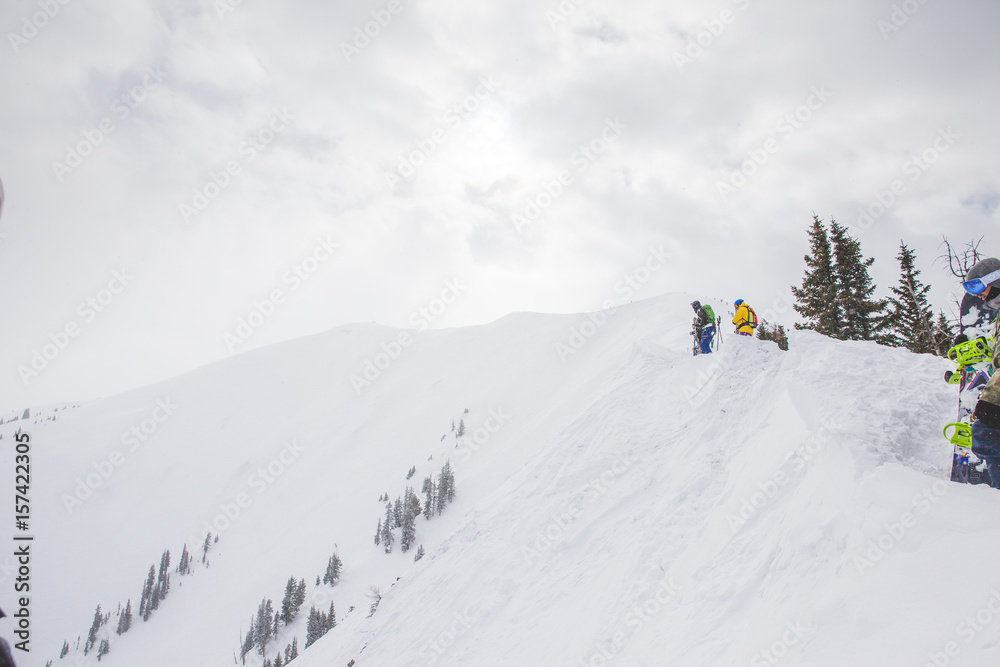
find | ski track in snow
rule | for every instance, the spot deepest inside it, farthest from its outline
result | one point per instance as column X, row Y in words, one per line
column 639, row 506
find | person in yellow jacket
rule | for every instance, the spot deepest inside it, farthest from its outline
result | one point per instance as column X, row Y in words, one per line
column 745, row 319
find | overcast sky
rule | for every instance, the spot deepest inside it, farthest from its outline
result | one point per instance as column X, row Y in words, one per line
column 175, row 161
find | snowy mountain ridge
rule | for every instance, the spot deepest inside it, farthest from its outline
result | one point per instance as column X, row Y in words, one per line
column 626, row 504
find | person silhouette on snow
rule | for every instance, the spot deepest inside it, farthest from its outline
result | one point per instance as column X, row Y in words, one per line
column 983, row 281
column 745, row 319
column 704, row 325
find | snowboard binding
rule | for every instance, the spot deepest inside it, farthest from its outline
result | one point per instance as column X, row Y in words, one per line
column 971, row 352
column 962, row 435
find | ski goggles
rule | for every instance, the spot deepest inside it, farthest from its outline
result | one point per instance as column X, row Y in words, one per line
column 979, row 285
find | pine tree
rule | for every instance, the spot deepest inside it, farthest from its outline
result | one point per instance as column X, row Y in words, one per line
column 288, row 609
column 163, row 579
column 95, row 627
column 65, row 650
column 332, row 575
column 817, row 297
column 145, row 601
column 263, row 625
column 420, row 554
column 910, row 319
column 277, row 661
column 863, row 317
column 314, row 627
column 184, row 567
column 430, row 492
column 104, row 649
column 461, row 428
column 295, row 649
column 387, row 536
column 445, row 487
column 397, row 513
column 331, row 618
column 249, row 640
column 409, row 532
column 125, row 619
column 300, row 595
column 205, row 547
column 378, row 532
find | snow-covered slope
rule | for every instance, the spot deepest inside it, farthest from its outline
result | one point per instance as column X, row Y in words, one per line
column 619, row 501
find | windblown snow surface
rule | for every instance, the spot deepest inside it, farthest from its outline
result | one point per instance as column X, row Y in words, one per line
column 619, row 502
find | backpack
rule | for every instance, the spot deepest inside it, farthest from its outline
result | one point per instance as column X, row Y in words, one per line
column 751, row 317
column 709, row 313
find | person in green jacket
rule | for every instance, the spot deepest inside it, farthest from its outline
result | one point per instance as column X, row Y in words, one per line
column 704, row 325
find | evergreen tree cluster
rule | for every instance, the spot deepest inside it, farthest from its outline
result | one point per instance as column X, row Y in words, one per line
column 156, row 588
column 836, row 297
column 154, row 591
column 319, row 624
column 775, row 332
column 403, row 513
column 266, row 623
